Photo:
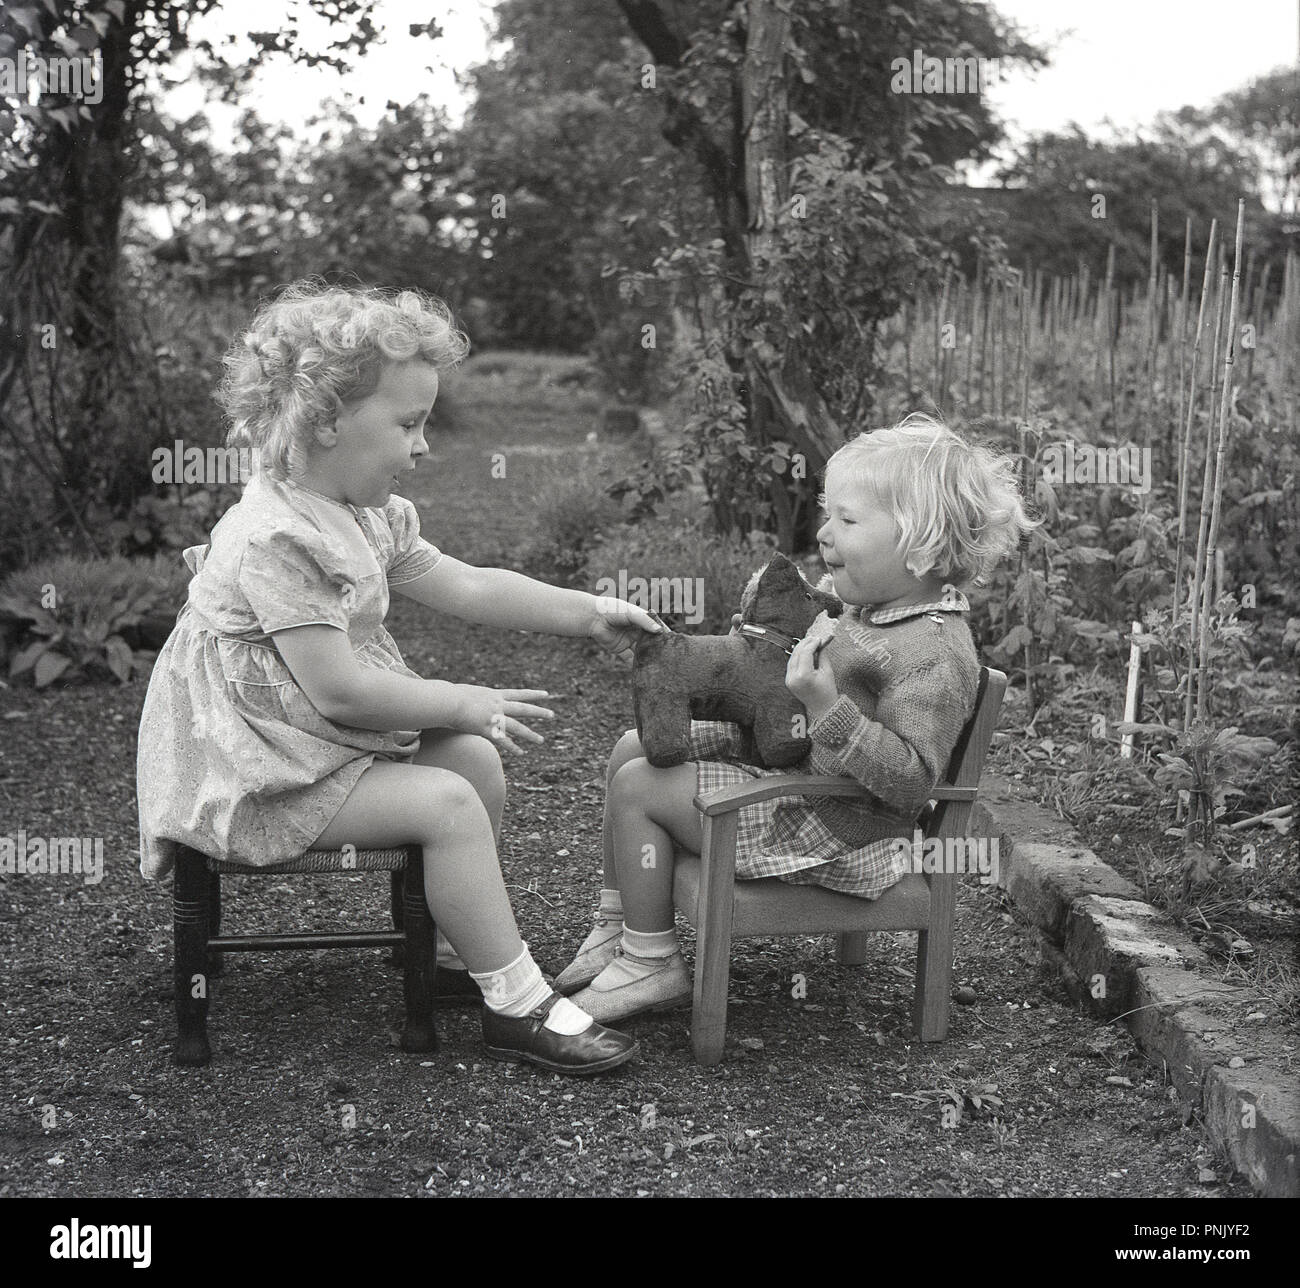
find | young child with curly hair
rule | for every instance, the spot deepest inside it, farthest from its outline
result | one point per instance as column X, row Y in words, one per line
column 280, row 715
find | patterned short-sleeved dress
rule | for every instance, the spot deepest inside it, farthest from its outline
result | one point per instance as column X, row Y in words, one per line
column 785, row 837
column 233, row 758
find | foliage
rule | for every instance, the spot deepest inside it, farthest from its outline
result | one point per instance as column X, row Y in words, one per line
column 570, row 519
column 679, row 542
column 1056, row 226
column 567, row 180
column 81, row 618
column 843, row 249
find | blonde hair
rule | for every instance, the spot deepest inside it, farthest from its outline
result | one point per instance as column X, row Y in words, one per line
column 956, row 503
column 315, row 348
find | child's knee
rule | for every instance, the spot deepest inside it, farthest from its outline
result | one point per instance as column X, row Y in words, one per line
column 452, row 803
column 626, row 749
column 633, row 783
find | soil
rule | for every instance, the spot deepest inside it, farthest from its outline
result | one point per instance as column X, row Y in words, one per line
column 823, row 1090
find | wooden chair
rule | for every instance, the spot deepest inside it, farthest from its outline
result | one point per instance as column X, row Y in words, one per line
column 706, row 892
column 199, row 944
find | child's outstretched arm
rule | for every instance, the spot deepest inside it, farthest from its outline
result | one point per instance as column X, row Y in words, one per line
column 500, row 597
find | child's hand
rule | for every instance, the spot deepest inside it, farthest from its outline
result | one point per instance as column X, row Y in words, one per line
column 813, row 685
column 617, row 624
column 495, row 714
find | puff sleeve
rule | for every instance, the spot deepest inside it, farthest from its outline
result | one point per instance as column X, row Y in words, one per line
column 411, row 556
column 293, row 578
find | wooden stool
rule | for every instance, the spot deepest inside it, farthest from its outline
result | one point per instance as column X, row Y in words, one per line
column 199, row 944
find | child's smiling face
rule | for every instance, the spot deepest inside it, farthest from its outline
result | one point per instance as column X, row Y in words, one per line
column 859, row 545
column 382, row 435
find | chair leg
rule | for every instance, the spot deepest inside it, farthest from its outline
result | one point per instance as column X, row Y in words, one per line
column 851, row 949
column 190, row 967
column 933, row 986
column 421, row 959
column 397, row 886
column 216, row 958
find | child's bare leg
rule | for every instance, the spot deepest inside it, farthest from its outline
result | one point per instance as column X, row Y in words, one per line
column 401, row 804
column 474, row 759
column 477, row 761
column 396, row 804
column 627, row 748
column 598, row 949
column 650, row 809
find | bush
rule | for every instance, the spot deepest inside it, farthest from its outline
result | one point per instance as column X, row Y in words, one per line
column 571, row 517
column 679, row 542
column 87, row 618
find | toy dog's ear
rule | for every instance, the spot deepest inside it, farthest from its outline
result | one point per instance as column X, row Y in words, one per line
column 749, row 595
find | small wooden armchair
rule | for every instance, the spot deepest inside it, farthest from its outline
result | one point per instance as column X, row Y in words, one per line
column 706, row 892
column 199, row 943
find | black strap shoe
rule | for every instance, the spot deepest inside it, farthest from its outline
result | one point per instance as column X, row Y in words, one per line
column 455, row 988
column 595, row 1050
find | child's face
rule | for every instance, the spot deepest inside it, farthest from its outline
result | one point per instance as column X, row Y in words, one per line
column 859, row 545
column 382, row 435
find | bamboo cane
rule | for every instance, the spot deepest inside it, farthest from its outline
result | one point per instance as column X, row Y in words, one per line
column 1184, row 464
column 1213, row 482
column 1153, row 268
column 1184, row 303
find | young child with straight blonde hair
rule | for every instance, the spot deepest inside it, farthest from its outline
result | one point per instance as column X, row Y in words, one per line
column 913, row 513
column 280, row 715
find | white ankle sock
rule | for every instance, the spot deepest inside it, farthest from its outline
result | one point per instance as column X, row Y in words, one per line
column 447, row 956
column 611, row 904
column 649, row 943
column 518, row 988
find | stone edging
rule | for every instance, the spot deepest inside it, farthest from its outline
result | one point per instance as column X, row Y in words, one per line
column 1121, row 958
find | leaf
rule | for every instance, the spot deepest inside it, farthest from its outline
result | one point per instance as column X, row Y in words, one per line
column 120, row 658
column 49, row 667
column 28, row 19
column 25, row 660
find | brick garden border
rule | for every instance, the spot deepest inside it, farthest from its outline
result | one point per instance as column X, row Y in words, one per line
column 1093, row 925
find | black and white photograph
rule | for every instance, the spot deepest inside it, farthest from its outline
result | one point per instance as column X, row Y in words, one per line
column 649, row 599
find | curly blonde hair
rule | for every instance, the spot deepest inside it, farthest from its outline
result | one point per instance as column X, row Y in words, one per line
column 315, row 348
column 956, row 502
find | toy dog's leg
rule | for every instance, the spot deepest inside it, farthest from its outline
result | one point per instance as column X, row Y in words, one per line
column 666, row 732
column 780, row 734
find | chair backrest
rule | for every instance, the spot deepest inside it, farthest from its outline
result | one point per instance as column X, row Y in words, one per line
column 955, row 796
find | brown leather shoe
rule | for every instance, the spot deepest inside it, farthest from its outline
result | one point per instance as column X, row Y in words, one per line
column 593, row 1051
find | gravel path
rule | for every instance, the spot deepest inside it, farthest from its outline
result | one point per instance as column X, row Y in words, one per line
column 307, row 1093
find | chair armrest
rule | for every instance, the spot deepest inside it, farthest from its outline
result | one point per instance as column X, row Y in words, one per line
column 727, row 799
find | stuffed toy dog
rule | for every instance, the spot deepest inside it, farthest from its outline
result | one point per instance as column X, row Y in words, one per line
column 738, row 677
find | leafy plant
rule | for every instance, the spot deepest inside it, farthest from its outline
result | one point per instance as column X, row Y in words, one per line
column 679, row 542
column 82, row 617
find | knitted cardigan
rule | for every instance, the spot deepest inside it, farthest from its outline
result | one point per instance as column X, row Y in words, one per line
column 907, row 688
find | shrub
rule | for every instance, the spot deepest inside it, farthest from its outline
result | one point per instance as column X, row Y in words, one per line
column 679, row 542
column 570, row 518
column 86, row 618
